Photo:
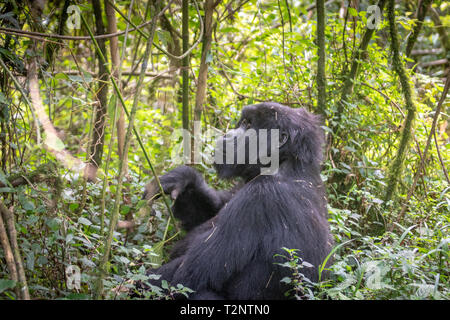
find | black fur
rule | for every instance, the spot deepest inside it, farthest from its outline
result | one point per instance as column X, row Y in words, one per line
column 229, row 251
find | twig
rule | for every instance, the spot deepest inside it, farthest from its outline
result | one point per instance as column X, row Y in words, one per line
column 41, row 36
column 425, row 52
column 386, row 96
column 440, row 158
column 434, row 63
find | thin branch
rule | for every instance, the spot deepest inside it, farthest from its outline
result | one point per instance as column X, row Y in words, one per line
column 41, row 36
column 440, row 158
column 438, row 62
column 125, row 73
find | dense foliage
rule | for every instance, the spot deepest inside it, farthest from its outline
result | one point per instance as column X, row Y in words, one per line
column 260, row 51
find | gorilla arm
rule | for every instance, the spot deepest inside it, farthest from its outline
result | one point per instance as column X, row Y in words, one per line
column 195, row 201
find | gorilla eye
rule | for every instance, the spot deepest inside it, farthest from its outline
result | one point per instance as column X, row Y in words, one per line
column 246, row 123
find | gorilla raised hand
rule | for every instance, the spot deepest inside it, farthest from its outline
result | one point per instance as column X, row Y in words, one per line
column 233, row 238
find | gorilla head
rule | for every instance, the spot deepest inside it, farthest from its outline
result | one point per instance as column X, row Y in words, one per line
column 269, row 136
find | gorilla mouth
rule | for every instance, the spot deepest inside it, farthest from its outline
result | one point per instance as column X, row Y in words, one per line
column 253, row 149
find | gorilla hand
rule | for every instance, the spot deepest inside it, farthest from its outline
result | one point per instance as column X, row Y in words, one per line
column 173, row 183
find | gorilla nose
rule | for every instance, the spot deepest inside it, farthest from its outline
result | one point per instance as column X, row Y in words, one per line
column 231, row 134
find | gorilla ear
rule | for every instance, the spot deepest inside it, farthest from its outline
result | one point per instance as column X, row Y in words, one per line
column 306, row 145
column 284, row 137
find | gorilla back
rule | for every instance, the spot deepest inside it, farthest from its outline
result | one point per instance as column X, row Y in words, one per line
column 234, row 239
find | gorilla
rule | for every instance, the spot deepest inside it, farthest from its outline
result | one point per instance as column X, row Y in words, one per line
column 234, row 238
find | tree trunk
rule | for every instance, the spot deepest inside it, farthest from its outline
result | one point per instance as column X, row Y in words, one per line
column 397, row 166
column 116, row 73
column 9, row 256
column 422, row 9
column 203, row 72
column 96, row 150
column 8, row 218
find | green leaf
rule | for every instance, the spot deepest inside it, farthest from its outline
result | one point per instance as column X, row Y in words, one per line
column 6, row 284
column 164, row 36
column 26, row 205
column 53, row 224
column 353, row 11
column 286, row 280
column 84, row 221
column 124, row 260
column 78, row 296
column 125, row 209
column 69, row 237
column 3, row 98
column 3, row 179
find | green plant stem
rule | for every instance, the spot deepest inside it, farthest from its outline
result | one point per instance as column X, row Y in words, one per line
column 85, row 178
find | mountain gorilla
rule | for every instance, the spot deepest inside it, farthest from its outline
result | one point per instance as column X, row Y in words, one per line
column 233, row 237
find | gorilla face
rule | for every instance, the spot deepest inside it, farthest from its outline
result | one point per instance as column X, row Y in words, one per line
column 267, row 136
